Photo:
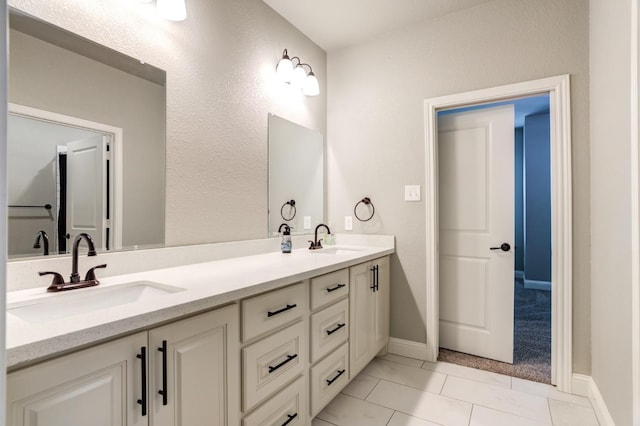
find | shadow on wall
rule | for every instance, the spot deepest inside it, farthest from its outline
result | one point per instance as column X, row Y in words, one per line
column 404, row 310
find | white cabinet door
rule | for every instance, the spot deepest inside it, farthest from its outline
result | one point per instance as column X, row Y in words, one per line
column 369, row 311
column 382, row 293
column 194, row 370
column 362, row 316
column 99, row 386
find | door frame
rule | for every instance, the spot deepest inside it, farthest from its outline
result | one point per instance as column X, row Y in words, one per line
column 558, row 88
column 635, row 210
column 116, row 164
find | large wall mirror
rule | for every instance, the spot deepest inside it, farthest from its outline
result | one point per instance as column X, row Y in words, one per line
column 296, row 176
column 86, row 145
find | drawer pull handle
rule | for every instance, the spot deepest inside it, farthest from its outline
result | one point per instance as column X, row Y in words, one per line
column 163, row 391
column 289, row 358
column 279, row 311
column 337, row 287
column 142, row 356
column 290, row 418
column 338, row 327
column 330, row 381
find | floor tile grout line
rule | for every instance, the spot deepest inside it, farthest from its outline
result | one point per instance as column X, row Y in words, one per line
column 372, row 389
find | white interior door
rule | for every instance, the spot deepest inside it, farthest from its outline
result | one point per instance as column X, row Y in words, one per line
column 476, row 217
column 86, row 195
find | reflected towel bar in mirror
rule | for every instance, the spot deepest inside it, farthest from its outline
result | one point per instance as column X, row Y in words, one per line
column 46, row 207
column 292, row 204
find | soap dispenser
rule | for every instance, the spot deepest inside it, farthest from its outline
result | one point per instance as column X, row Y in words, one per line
column 285, row 244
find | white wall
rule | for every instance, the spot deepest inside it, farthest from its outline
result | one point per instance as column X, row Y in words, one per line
column 375, row 129
column 221, row 85
column 610, row 66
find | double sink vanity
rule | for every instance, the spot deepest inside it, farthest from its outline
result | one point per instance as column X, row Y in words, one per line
column 262, row 339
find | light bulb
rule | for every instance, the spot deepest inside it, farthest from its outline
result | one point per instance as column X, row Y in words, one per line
column 311, row 87
column 284, row 69
column 173, row 10
column 299, row 77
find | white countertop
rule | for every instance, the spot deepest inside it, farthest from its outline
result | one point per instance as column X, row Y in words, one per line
column 206, row 285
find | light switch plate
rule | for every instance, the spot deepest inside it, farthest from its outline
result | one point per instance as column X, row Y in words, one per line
column 348, row 223
column 412, row 192
column 307, row 222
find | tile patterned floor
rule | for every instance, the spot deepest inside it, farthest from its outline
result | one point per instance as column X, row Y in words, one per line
column 398, row 391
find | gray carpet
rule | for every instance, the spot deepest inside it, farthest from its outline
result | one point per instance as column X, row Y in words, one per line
column 531, row 340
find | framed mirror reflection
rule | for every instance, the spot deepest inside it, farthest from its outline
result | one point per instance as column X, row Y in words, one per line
column 296, row 176
column 87, row 138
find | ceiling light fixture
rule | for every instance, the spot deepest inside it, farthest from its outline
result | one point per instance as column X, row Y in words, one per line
column 296, row 75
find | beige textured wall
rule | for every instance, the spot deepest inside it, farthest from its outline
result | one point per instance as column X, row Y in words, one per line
column 220, row 65
column 375, row 128
column 610, row 75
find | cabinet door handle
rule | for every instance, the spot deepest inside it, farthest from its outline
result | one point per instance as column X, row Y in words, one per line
column 290, row 418
column 279, row 311
column 377, row 278
column 163, row 391
column 338, row 327
column 337, row 287
column 142, row 356
column 330, row 381
column 373, row 279
column 289, row 358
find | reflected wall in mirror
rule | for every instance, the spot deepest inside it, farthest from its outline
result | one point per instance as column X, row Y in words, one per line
column 65, row 88
column 296, row 172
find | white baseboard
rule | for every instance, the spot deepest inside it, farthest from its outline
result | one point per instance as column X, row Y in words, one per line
column 585, row 386
column 407, row 348
column 518, row 274
column 537, row 285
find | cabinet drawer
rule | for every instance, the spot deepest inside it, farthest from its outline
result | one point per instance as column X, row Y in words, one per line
column 328, row 378
column 289, row 405
column 329, row 329
column 269, row 311
column 329, row 288
column 271, row 363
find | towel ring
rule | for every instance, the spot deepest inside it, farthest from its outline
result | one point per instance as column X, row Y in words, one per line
column 367, row 202
column 291, row 203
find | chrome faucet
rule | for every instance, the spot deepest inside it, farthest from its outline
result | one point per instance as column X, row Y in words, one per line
column 45, row 242
column 90, row 280
column 316, row 244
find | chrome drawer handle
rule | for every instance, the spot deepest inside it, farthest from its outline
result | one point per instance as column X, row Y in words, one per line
column 330, row 381
column 279, row 311
column 290, row 418
column 289, row 358
column 337, row 287
column 338, row 327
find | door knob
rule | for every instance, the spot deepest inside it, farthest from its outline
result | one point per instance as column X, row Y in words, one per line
column 503, row 247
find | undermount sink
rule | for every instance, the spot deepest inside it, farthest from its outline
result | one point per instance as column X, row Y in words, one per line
column 337, row 250
column 75, row 302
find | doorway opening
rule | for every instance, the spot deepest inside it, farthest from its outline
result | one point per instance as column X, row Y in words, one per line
column 72, row 168
column 557, row 89
column 531, row 245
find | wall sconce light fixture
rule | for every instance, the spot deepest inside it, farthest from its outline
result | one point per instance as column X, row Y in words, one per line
column 173, row 10
column 296, row 75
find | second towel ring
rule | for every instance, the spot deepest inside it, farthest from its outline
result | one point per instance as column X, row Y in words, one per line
column 291, row 203
column 367, row 202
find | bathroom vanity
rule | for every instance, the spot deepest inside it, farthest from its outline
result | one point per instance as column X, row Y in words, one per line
column 265, row 339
